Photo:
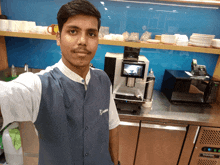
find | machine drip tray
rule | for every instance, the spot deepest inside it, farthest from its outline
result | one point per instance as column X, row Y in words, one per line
column 128, row 108
column 127, row 97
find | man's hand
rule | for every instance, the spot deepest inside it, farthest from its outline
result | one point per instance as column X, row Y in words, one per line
column 114, row 144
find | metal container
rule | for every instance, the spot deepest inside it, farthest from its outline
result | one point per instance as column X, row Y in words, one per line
column 149, row 86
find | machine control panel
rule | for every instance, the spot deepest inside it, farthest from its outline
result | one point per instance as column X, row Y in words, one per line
column 212, row 152
column 211, row 149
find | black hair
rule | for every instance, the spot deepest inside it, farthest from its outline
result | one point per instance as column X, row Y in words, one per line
column 77, row 7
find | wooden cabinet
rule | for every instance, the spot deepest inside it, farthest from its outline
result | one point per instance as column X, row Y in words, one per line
column 128, row 136
column 159, row 144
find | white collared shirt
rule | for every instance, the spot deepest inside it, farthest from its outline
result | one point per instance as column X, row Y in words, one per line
column 20, row 98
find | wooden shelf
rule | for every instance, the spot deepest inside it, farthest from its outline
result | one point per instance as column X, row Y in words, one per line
column 28, row 35
column 162, row 46
column 121, row 43
column 203, row 2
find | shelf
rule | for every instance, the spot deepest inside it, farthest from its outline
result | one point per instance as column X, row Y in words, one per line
column 28, row 35
column 162, row 46
column 121, row 43
column 203, row 2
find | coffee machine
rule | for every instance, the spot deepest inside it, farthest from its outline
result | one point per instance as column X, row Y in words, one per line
column 128, row 74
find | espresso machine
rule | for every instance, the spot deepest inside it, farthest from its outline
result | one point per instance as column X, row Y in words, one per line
column 128, row 74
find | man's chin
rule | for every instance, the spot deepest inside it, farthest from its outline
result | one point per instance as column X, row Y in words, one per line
column 80, row 65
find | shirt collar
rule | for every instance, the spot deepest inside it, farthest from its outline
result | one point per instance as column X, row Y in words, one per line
column 72, row 75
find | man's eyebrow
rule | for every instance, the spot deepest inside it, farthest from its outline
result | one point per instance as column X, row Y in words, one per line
column 76, row 27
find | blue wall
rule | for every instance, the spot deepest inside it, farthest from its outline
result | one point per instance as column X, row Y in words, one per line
column 120, row 17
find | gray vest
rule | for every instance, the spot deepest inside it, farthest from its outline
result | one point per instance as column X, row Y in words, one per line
column 72, row 123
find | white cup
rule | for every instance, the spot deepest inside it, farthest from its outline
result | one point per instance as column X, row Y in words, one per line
column 19, row 26
column 25, row 26
column 44, row 29
column 50, row 30
column 12, row 26
column 31, row 26
column 3, row 25
column 40, row 29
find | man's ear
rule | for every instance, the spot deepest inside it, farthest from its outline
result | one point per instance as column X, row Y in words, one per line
column 58, row 38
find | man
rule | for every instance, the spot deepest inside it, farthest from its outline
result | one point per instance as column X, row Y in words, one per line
column 69, row 103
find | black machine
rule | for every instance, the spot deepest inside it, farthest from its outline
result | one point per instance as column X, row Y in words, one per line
column 198, row 70
column 195, row 86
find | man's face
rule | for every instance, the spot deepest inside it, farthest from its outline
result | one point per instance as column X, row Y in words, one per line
column 78, row 41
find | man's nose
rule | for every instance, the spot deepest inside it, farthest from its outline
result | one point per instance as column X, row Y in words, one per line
column 82, row 39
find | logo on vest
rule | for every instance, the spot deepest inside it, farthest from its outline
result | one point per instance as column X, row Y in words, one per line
column 103, row 111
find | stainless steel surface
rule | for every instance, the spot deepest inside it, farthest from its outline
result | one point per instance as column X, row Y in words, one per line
column 149, row 92
column 166, row 127
column 124, row 123
column 164, row 111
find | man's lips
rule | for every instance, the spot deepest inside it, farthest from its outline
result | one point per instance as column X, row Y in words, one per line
column 81, row 51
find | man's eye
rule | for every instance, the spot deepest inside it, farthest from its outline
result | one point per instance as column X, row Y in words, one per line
column 92, row 34
column 72, row 31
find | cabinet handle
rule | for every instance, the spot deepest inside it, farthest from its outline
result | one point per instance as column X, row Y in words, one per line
column 129, row 124
column 197, row 131
column 163, row 127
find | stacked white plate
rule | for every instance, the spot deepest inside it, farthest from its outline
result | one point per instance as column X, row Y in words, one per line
column 216, row 43
column 168, row 39
column 181, row 40
column 203, row 40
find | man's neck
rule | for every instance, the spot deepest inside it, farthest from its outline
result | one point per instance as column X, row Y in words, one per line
column 81, row 71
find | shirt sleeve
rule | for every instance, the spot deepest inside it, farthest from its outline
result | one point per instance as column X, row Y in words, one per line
column 20, row 98
column 113, row 113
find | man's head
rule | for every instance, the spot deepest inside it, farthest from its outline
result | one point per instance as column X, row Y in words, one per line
column 79, row 23
column 77, row 7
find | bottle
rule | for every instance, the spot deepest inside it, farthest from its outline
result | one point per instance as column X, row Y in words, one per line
column 13, row 71
column 149, row 86
column 26, row 67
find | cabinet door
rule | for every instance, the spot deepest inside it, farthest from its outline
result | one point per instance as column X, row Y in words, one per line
column 128, row 135
column 159, row 144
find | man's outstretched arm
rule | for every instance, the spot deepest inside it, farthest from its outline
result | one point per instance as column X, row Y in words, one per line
column 114, row 144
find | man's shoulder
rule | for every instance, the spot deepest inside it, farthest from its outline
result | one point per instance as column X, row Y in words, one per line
column 47, row 70
column 100, row 74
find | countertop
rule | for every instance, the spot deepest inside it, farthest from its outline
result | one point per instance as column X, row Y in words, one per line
column 164, row 111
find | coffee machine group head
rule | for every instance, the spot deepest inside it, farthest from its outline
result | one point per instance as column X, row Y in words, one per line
column 128, row 75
